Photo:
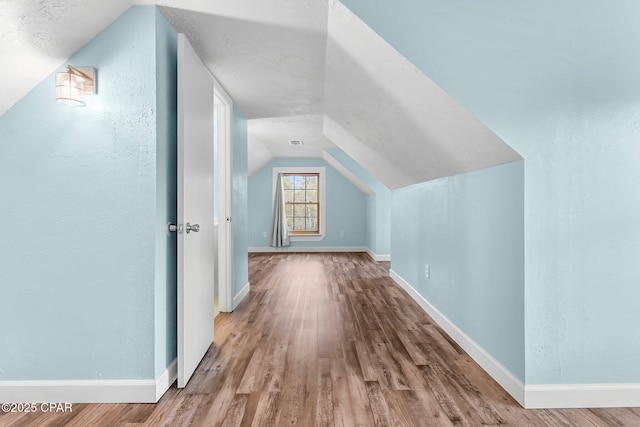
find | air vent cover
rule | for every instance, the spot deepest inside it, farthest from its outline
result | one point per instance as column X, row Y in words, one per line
column 295, row 142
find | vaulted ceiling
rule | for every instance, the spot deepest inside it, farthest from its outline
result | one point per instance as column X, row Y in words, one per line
column 308, row 70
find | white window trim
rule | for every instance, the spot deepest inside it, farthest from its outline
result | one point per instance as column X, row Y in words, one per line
column 321, row 171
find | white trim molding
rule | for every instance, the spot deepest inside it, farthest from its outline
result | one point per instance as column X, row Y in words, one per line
column 507, row 380
column 582, row 395
column 377, row 257
column 304, row 249
column 241, row 295
column 89, row 391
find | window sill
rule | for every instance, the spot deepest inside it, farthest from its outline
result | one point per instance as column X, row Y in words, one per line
column 306, row 237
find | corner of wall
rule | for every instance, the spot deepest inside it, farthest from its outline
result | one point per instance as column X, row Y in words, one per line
column 240, row 202
column 165, row 347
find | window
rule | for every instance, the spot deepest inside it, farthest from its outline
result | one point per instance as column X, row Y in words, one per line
column 302, row 206
column 304, row 191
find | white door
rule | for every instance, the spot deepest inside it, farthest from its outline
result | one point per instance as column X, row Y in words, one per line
column 195, row 211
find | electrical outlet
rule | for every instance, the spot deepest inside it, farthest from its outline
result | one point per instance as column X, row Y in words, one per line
column 264, row 234
column 427, row 271
column 342, row 234
column 250, row 234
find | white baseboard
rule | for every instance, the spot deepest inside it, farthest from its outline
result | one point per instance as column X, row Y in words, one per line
column 166, row 379
column 241, row 295
column 582, row 396
column 310, row 249
column 378, row 258
column 89, row 391
column 512, row 384
column 530, row 396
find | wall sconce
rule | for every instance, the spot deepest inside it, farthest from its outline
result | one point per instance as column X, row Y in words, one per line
column 73, row 84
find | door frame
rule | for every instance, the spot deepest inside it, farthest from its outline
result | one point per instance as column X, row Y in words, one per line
column 225, row 197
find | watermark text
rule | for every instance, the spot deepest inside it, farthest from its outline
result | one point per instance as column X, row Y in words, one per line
column 48, row 407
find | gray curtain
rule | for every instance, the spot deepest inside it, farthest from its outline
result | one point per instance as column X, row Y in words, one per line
column 279, row 229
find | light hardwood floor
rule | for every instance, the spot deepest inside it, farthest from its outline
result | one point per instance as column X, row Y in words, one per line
column 330, row 340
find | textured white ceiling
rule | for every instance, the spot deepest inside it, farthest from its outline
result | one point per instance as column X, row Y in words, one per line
column 293, row 75
column 275, row 133
column 272, row 67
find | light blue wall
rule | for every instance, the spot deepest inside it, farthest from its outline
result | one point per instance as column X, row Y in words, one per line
column 240, row 203
column 166, row 194
column 559, row 82
column 470, row 230
column 78, row 191
column 378, row 204
column 372, row 219
column 346, row 207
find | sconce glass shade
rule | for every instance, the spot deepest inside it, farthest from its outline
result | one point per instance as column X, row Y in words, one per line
column 70, row 89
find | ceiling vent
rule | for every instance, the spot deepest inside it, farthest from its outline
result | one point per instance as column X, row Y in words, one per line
column 295, row 142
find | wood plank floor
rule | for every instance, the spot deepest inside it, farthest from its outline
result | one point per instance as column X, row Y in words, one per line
column 329, row 340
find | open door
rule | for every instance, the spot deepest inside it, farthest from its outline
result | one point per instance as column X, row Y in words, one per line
column 195, row 228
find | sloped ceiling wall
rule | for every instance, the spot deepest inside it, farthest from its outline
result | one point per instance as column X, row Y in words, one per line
column 297, row 70
column 396, row 114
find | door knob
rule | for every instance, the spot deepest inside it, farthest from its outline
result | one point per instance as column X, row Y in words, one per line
column 189, row 228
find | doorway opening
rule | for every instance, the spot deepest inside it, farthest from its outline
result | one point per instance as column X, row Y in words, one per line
column 223, row 129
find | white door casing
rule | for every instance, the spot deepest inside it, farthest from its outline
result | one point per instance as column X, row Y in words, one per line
column 195, row 206
column 224, row 106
